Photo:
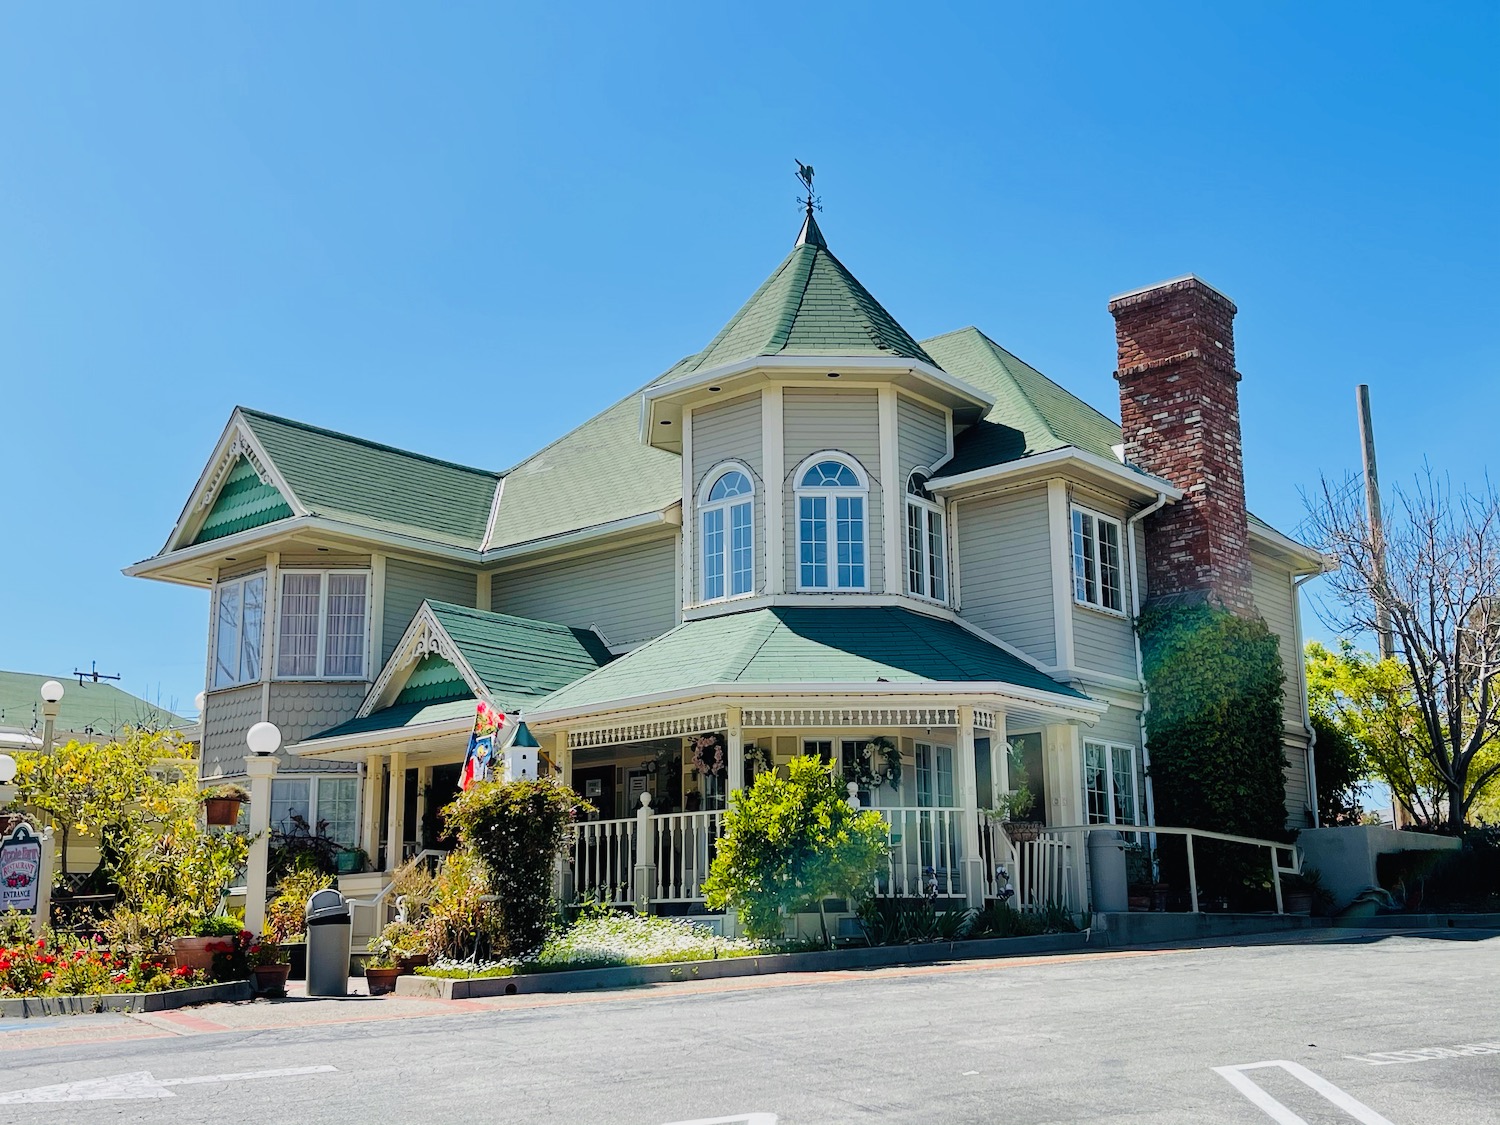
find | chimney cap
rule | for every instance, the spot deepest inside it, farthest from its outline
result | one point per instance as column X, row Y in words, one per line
column 1171, row 283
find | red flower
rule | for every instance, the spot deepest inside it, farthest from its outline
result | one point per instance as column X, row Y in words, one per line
column 47, row 975
column 41, row 943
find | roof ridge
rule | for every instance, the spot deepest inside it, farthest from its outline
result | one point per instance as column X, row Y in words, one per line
column 470, row 610
column 383, row 446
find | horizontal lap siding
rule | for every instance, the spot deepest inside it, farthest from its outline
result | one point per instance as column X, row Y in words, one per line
column 408, row 585
column 1104, row 642
column 731, row 431
column 227, row 715
column 1005, row 569
column 921, row 436
column 303, row 710
column 1272, row 590
column 847, row 421
column 629, row 592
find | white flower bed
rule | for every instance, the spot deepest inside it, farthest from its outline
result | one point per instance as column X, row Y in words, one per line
column 634, row 940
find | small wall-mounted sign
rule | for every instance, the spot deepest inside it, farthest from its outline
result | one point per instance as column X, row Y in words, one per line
column 593, row 787
column 20, row 871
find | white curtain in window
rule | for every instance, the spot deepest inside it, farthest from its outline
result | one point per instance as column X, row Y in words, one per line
column 297, row 650
column 344, row 638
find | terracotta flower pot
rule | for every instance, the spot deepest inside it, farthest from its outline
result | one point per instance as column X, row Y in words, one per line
column 193, row 952
column 222, row 812
column 415, row 961
column 271, row 979
column 381, row 981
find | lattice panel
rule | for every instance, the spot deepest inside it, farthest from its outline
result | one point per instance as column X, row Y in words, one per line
column 820, row 717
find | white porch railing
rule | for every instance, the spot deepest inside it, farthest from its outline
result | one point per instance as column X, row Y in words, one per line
column 926, row 850
column 1041, row 870
column 685, row 845
column 604, row 860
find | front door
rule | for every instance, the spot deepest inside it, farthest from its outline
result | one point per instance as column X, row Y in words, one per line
column 596, row 785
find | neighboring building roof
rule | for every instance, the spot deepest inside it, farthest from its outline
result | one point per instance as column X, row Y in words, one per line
column 363, row 482
column 789, row 644
column 101, row 708
column 1032, row 414
column 810, row 305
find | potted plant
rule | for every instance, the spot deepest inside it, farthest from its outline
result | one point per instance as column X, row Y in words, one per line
column 1305, row 893
column 191, row 951
column 269, row 966
column 1012, row 810
column 402, row 943
column 381, row 970
column 221, row 804
column 285, row 914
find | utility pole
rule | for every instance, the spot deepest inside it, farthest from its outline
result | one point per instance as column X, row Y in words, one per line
column 1372, row 512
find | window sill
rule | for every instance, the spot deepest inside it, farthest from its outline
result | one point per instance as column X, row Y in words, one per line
column 1117, row 614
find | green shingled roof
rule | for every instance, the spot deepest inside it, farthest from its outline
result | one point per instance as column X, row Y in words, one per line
column 1032, row 414
column 401, row 716
column 788, row 644
column 377, row 486
column 811, row 305
column 519, row 659
column 102, row 708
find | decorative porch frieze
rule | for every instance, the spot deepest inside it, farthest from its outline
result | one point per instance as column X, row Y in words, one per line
column 984, row 720
column 821, row 717
column 646, row 729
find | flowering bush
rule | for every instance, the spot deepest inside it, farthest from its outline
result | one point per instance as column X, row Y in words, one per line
column 38, row 967
column 232, row 956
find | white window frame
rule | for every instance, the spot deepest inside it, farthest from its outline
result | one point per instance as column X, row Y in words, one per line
column 1110, row 749
column 324, row 574
column 314, row 796
column 726, row 553
column 1095, row 557
column 931, row 570
column 830, row 497
column 238, row 582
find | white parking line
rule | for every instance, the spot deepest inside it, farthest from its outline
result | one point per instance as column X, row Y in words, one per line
column 1276, row 1111
column 734, row 1119
column 1426, row 1054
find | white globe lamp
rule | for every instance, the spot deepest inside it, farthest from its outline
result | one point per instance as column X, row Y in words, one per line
column 52, row 692
column 263, row 738
column 7, row 769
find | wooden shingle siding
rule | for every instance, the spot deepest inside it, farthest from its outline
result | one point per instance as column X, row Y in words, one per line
column 722, row 432
column 629, row 592
column 227, row 715
column 1006, row 572
column 303, row 710
column 847, row 421
column 921, row 436
column 407, row 586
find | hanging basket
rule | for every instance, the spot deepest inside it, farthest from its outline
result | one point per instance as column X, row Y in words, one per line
column 1022, row 831
column 222, row 812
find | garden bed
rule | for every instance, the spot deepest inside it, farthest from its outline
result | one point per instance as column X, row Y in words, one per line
column 21, row 1007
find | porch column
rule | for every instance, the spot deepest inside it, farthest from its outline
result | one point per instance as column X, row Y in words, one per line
column 734, row 737
column 260, row 768
column 395, row 811
column 369, row 810
column 1062, row 762
column 968, row 803
column 424, row 782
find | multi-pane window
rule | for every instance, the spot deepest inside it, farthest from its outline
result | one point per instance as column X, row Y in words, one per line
column 1109, row 783
column 322, row 626
column 831, row 547
column 239, row 617
column 728, row 535
column 338, row 808
column 934, row 776
column 1098, row 579
column 336, row 800
column 925, row 569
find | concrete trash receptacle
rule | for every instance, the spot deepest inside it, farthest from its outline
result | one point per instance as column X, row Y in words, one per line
column 1107, row 878
column 329, row 923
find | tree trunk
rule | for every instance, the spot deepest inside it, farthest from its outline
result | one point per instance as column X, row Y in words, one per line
column 1456, row 808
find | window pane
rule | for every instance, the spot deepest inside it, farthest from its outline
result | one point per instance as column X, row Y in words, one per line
column 732, row 483
column 851, row 542
column 935, row 567
column 713, row 554
column 344, row 638
column 924, row 774
column 289, row 800
column 1124, row 779
column 742, row 548
column 812, row 540
column 943, row 759
column 297, row 650
column 227, row 639
column 1096, row 783
column 830, row 474
column 914, row 582
column 254, row 619
column 1110, row 586
column 1085, row 582
column 336, row 806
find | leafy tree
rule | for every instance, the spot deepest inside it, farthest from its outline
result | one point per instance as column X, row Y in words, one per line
column 788, row 840
column 1340, row 768
column 1432, row 578
column 517, row 829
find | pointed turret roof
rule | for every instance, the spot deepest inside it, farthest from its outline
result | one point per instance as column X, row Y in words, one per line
column 811, row 305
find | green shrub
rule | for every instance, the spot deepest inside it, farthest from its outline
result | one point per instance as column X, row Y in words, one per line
column 516, row 829
column 459, row 924
column 286, row 913
column 791, row 839
column 216, row 925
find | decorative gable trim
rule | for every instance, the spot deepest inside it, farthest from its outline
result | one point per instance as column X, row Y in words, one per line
column 237, row 442
column 425, row 636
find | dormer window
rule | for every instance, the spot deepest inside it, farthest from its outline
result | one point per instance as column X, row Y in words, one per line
column 831, row 536
column 727, row 525
column 925, row 557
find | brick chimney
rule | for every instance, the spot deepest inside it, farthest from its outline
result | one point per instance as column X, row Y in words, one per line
column 1180, row 409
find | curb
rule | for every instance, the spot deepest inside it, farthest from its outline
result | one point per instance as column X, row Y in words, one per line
column 1351, row 919
column 28, row 1006
column 628, row 976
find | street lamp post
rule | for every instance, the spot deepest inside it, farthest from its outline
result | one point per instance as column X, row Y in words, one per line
column 8, row 791
column 264, row 739
column 52, row 693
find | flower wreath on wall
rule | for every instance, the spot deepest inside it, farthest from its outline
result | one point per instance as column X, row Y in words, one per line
column 758, row 759
column 878, row 761
column 708, row 754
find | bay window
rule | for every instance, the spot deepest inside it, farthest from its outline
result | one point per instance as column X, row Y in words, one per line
column 727, row 525
column 323, row 624
column 239, row 618
column 925, row 555
column 1098, row 578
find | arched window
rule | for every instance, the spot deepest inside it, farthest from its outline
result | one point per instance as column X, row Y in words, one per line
column 726, row 523
column 925, row 558
column 831, row 547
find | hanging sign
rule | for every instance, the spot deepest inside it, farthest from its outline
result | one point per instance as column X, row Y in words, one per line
column 20, row 871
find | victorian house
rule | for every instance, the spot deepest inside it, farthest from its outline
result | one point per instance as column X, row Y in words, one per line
column 918, row 560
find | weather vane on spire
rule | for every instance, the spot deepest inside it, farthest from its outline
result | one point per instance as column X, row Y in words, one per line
column 805, row 175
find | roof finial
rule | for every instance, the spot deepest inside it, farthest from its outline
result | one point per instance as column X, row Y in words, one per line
column 810, row 234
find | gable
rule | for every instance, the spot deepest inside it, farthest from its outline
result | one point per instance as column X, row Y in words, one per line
column 243, row 501
column 435, row 679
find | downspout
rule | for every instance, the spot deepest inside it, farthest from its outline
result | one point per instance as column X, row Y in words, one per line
column 1312, row 735
column 1140, row 669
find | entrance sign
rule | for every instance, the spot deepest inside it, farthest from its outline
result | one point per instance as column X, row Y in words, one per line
column 21, row 871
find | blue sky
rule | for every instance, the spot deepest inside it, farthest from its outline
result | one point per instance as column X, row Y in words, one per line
column 464, row 230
